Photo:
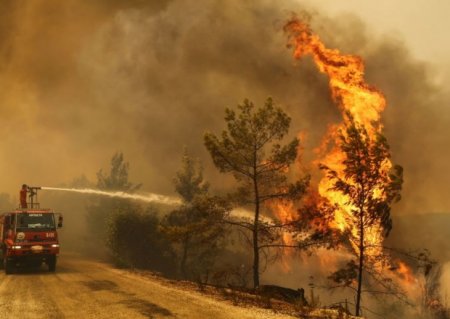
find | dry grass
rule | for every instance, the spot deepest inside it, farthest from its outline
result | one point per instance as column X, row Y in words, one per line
column 246, row 298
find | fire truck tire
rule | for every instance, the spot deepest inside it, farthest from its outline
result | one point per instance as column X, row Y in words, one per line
column 52, row 264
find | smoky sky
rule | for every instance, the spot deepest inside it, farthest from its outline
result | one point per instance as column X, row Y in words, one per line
column 80, row 80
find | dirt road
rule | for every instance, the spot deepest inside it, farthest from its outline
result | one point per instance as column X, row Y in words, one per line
column 86, row 289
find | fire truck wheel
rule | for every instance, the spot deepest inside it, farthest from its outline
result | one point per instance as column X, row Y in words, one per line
column 52, row 264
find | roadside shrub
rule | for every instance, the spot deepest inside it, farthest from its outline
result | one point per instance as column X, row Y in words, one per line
column 135, row 240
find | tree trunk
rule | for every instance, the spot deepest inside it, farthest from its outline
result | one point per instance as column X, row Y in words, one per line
column 256, row 247
column 360, row 266
column 184, row 257
column 255, row 233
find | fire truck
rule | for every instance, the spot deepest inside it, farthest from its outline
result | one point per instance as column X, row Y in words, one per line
column 29, row 234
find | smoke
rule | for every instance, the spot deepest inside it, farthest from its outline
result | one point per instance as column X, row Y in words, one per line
column 81, row 80
column 141, row 80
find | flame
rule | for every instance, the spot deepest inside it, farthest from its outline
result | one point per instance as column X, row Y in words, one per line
column 405, row 272
column 285, row 210
column 352, row 95
column 346, row 74
column 365, row 104
column 285, row 213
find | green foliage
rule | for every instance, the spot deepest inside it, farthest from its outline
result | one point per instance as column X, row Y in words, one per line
column 135, row 240
column 101, row 209
column 132, row 234
column 196, row 228
column 251, row 150
column 197, row 231
column 189, row 181
column 117, row 179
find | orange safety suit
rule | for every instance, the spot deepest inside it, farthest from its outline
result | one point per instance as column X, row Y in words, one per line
column 23, row 197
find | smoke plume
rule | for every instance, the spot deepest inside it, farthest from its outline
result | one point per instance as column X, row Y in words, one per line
column 80, row 80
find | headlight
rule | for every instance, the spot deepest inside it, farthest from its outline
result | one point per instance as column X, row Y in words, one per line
column 55, row 245
column 16, row 247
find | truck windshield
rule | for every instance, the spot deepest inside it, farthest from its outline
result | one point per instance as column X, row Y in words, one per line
column 35, row 221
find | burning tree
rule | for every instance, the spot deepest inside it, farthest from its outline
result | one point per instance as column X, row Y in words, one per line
column 368, row 185
column 361, row 182
column 251, row 151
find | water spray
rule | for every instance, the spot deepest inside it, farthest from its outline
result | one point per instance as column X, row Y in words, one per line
column 149, row 198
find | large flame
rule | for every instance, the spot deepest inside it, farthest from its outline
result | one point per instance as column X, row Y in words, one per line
column 365, row 104
column 354, row 96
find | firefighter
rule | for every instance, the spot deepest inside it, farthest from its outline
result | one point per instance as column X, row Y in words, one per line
column 23, row 196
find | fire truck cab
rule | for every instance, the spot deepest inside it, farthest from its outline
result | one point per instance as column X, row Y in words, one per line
column 29, row 236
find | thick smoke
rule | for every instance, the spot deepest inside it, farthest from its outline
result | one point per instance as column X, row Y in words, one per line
column 141, row 80
column 81, row 80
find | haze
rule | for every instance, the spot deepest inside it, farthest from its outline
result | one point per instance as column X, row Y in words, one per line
column 80, row 80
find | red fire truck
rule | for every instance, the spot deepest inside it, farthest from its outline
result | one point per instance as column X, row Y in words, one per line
column 29, row 234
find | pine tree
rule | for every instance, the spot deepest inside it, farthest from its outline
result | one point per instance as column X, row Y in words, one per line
column 196, row 227
column 250, row 149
